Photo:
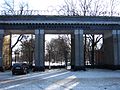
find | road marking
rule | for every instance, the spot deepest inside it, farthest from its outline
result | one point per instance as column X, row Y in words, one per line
column 56, row 75
column 67, row 83
column 22, row 78
column 17, row 85
column 72, row 86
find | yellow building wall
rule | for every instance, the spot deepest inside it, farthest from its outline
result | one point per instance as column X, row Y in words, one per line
column 6, row 52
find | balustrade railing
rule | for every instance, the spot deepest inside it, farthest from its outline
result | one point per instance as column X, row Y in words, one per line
column 54, row 12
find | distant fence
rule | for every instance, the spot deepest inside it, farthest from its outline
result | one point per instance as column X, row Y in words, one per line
column 54, row 12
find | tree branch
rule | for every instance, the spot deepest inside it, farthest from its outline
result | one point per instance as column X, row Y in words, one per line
column 18, row 39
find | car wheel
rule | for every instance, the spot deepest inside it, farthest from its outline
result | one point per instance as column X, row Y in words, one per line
column 25, row 71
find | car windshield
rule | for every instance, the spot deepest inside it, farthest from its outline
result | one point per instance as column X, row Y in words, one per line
column 17, row 64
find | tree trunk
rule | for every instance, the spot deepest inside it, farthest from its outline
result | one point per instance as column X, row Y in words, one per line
column 92, row 52
column 10, row 51
column 49, row 59
column 65, row 57
column 85, row 51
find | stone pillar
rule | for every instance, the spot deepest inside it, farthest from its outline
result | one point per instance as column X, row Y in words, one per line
column 78, row 63
column 116, row 47
column 72, row 51
column 118, row 63
column 108, row 49
column 39, row 50
column 112, row 49
column 1, row 45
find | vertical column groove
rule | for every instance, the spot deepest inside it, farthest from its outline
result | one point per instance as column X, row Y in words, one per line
column 39, row 49
column 79, row 50
column 1, row 46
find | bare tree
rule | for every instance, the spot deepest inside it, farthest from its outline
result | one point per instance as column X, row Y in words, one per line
column 93, row 40
column 69, row 8
column 27, row 50
column 10, row 7
column 113, row 6
column 58, row 50
column 90, row 7
column 82, row 7
column 85, row 6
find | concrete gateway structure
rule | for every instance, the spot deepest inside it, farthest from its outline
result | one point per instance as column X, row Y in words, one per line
column 74, row 25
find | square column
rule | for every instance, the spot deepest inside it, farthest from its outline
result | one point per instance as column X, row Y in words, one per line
column 112, row 49
column 108, row 50
column 1, row 45
column 39, row 50
column 78, row 52
column 118, row 62
column 116, row 47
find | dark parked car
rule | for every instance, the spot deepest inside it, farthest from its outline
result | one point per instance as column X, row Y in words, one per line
column 20, row 68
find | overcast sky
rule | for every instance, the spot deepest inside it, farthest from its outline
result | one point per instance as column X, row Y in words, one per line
column 38, row 4
column 44, row 4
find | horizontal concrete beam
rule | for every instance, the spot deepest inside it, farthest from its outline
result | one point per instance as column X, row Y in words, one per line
column 59, row 22
column 59, row 18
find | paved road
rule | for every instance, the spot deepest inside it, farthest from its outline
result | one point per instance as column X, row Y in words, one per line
column 95, row 79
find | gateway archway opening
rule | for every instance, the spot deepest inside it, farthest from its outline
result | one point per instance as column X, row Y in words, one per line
column 58, row 51
column 93, row 50
column 22, row 48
